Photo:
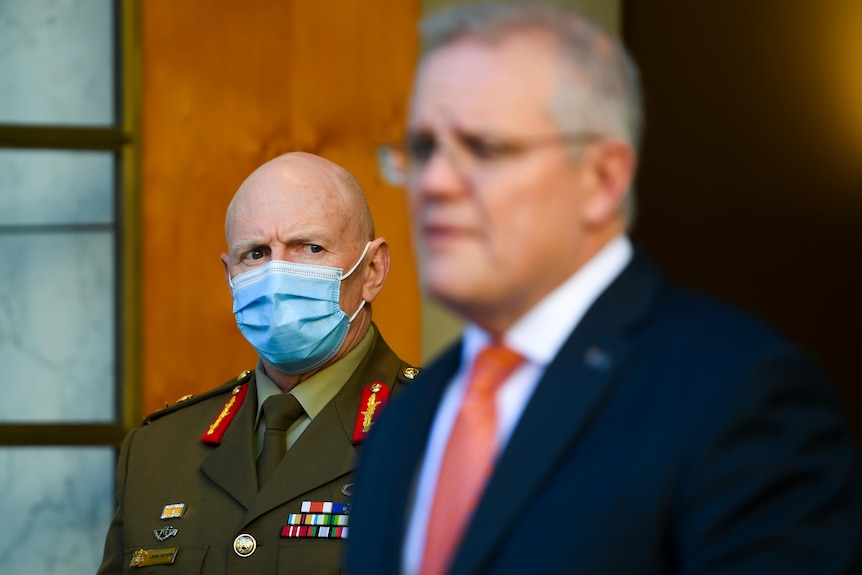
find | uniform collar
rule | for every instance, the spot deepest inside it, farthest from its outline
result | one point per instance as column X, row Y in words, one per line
column 319, row 389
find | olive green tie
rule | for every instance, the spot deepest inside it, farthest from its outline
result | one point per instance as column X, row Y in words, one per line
column 279, row 411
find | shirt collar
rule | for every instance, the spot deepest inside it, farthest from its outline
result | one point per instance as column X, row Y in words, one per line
column 542, row 331
column 316, row 391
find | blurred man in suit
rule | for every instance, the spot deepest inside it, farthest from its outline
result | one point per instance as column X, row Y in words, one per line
column 256, row 475
column 594, row 418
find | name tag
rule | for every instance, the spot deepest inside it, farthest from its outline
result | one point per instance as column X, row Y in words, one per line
column 147, row 557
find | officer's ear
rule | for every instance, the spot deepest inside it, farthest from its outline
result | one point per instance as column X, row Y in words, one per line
column 376, row 269
column 224, row 260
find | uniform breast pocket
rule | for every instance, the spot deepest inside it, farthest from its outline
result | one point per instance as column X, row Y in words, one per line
column 165, row 560
column 310, row 556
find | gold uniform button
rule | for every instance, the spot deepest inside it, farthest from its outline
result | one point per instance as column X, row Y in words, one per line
column 410, row 372
column 244, row 545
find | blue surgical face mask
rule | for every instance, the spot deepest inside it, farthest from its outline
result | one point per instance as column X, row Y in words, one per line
column 289, row 313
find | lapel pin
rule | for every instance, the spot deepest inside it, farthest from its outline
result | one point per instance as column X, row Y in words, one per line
column 597, row 359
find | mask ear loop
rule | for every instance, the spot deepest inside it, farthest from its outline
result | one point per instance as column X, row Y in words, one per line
column 356, row 265
column 359, row 261
column 356, row 313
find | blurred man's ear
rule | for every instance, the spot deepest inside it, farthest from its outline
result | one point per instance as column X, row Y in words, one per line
column 376, row 270
column 612, row 167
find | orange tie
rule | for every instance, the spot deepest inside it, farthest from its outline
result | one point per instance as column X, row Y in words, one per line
column 469, row 458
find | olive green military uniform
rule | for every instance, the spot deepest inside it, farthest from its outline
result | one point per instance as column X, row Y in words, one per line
column 224, row 515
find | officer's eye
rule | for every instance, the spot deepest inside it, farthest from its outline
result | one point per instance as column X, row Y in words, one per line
column 313, row 248
column 255, row 254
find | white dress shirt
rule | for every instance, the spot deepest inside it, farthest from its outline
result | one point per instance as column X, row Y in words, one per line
column 538, row 337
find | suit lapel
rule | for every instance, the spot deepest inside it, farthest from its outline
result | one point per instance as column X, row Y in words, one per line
column 420, row 415
column 571, row 393
column 231, row 465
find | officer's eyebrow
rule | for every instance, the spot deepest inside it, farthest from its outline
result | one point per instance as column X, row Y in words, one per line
column 242, row 246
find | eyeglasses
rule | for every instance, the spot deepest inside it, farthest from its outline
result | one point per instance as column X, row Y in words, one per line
column 467, row 153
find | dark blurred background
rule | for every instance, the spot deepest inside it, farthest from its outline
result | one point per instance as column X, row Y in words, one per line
column 751, row 179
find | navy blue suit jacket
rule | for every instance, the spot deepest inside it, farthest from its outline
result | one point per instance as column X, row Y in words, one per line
column 670, row 435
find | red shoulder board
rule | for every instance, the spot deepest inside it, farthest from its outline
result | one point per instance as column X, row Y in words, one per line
column 374, row 398
column 214, row 432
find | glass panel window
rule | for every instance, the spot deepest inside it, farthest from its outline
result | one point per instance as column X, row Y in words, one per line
column 66, row 158
column 57, row 327
column 57, row 62
column 56, row 187
column 57, row 504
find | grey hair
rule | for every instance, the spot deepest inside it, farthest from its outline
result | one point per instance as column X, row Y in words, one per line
column 598, row 88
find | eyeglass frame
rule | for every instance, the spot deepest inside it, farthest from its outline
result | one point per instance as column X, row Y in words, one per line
column 476, row 150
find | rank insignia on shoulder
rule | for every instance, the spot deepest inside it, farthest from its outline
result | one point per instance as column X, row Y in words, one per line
column 216, row 430
column 374, row 398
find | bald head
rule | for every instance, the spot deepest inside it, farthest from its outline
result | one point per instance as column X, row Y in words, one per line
column 298, row 179
column 299, row 208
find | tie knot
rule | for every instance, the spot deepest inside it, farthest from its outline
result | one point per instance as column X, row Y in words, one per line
column 492, row 366
column 281, row 410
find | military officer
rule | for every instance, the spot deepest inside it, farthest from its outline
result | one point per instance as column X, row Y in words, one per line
column 230, row 481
